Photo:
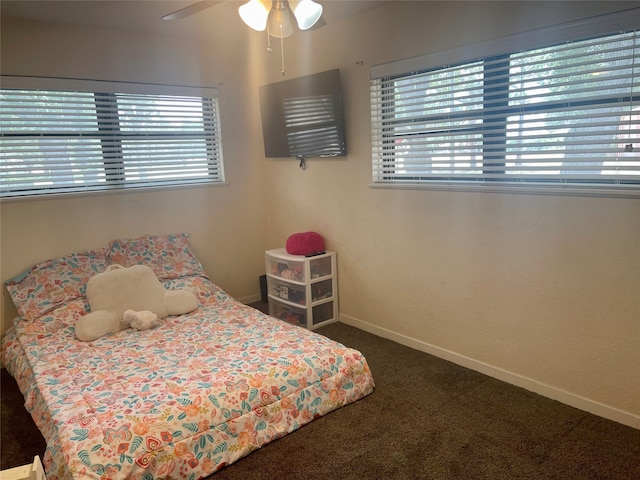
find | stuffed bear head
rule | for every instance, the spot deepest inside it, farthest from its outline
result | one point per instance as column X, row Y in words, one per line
column 136, row 288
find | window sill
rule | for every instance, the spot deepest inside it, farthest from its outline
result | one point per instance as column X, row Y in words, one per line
column 554, row 190
column 113, row 191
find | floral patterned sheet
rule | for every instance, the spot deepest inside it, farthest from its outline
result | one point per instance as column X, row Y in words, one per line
column 181, row 400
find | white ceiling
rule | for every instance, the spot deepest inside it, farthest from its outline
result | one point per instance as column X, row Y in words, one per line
column 146, row 15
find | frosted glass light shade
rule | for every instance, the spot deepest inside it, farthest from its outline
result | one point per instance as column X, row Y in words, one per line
column 307, row 12
column 279, row 22
column 255, row 13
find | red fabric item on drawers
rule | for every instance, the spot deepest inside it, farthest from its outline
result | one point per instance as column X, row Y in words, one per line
column 305, row 243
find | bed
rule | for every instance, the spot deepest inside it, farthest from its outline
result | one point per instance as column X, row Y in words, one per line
column 181, row 400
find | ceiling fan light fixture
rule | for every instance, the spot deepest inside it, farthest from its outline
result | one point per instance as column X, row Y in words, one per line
column 255, row 13
column 279, row 22
column 307, row 12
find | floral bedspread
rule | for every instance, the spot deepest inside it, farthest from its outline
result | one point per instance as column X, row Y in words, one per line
column 181, row 400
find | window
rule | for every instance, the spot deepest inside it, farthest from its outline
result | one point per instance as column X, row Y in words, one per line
column 566, row 114
column 62, row 136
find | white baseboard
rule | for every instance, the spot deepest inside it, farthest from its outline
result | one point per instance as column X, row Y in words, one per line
column 568, row 398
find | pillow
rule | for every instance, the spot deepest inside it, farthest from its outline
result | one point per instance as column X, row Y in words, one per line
column 119, row 289
column 169, row 256
column 47, row 285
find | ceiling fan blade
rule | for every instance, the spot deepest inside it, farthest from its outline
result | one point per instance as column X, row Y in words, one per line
column 190, row 10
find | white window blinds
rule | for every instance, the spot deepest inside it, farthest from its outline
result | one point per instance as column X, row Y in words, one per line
column 62, row 136
column 560, row 114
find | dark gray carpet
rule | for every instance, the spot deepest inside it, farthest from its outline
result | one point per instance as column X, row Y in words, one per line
column 427, row 419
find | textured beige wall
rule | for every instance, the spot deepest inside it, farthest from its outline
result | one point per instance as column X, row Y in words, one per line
column 227, row 223
column 540, row 290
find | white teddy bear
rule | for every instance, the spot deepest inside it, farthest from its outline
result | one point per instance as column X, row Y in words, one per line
column 136, row 288
column 142, row 320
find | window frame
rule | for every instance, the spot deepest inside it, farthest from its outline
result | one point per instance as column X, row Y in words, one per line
column 111, row 136
column 492, row 51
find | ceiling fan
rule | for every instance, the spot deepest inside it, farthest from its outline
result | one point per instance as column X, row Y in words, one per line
column 271, row 15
